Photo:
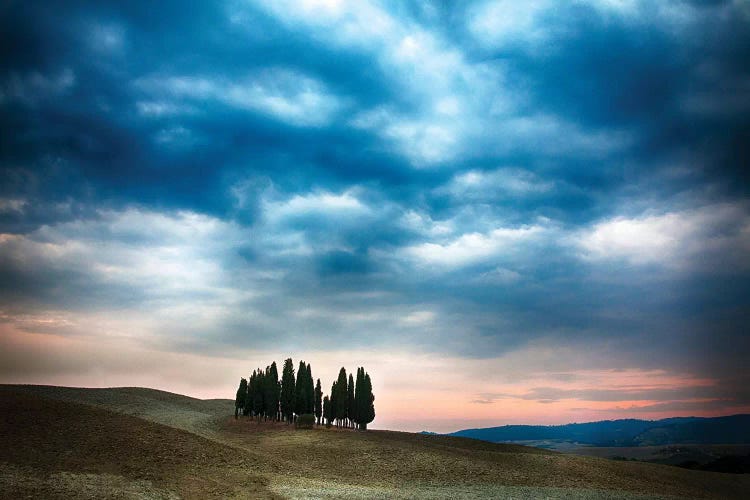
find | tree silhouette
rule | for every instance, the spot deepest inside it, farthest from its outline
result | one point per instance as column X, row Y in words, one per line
column 341, row 396
column 263, row 395
column 327, row 414
column 359, row 395
column 318, row 401
column 287, row 390
column 239, row 399
column 351, row 410
column 309, row 391
column 368, row 403
column 256, row 392
column 271, row 392
column 300, row 392
column 334, row 397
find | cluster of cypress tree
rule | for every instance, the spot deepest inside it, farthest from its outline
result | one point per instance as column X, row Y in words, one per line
column 265, row 397
column 351, row 403
column 258, row 396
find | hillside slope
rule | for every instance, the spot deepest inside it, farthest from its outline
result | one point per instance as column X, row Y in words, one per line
column 174, row 410
column 60, row 449
column 53, row 438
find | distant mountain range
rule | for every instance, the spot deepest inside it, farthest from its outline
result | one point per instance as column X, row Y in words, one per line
column 733, row 429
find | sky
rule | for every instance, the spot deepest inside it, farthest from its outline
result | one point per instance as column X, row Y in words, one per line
column 507, row 212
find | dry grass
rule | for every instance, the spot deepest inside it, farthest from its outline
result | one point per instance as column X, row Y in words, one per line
column 199, row 448
column 52, row 448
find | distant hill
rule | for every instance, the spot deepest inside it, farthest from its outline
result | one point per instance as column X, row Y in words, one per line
column 733, row 429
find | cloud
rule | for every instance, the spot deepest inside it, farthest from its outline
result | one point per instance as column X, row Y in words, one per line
column 500, row 275
column 496, row 23
column 470, row 248
column 615, row 391
column 490, row 185
column 537, row 24
column 107, row 38
column 319, row 203
column 34, row 87
column 287, row 95
column 671, row 239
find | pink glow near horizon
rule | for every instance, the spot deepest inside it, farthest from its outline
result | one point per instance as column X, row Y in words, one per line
column 414, row 391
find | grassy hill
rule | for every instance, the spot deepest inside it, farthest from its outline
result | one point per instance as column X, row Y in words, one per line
column 134, row 443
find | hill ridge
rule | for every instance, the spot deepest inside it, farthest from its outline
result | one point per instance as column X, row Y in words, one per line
column 727, row 429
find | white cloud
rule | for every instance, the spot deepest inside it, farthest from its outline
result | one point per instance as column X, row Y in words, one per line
column 470, row 248
column 444, row 132
column 303, row 224
column 673, row 239
column 418, row 318
column 643, row 240
column 344, row 23
column 459, row 106
column 444, row 88
column 534, row 24
column 164, row 255
column 424, row 141
column 499, row 22
column 422, row 224
column 509, row 181
column 318, row 203
column 287, row 95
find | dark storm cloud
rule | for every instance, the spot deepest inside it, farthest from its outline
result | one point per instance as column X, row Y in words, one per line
column 463, row 180
column 93, row 123
column 674, row 76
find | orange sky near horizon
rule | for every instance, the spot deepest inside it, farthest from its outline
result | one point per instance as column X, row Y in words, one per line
column 413, row 391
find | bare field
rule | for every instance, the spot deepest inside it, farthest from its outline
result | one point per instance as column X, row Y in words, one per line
column 58, row 448
column 666, row 454
column 141, row 443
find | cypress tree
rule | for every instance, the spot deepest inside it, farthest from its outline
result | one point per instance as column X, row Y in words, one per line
column 318, row 401
column 368, row 401
column 287, row 390
column 266, row 393
column 250, row 394
column 327, row 411
column 351, row 410
column 341, row 395
column 272, row 387
column 310, row 391
column 334, row 395
column 300, row 390
column 358, row 395
column 239, row 399
column 255, row 393
column 258, row 404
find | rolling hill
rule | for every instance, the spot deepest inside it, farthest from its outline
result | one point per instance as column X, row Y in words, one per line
column 135, row 443
column 733, row 429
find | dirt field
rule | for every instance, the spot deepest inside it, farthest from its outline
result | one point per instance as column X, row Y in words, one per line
column 141, row 443
column 667, row 454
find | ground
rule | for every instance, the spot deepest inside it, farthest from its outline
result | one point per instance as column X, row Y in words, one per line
column 141, row 443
